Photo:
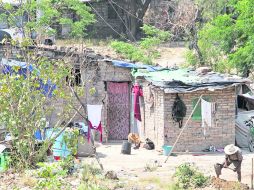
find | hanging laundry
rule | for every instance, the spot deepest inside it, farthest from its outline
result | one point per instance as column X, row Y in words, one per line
column 137, row 90
column 94, row 119
column 206, row 112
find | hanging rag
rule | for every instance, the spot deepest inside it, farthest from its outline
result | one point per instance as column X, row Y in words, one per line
column 206, row 112
column 94, row 119
column 137, row 90
column 179, row 111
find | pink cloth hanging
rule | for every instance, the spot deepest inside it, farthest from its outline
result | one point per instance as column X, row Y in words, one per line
column 137, row 90
column 94, row 119
column 97, row 128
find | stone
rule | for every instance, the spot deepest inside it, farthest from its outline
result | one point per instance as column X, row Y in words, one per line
column 203, row 70
column 111, row 175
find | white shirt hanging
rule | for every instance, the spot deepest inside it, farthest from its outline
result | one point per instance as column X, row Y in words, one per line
column 206, row 113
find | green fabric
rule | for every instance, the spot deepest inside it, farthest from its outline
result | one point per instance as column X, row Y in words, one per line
column 3, row 162
column 197, row 116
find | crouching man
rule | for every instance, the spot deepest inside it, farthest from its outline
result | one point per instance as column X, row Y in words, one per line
column 233, row 155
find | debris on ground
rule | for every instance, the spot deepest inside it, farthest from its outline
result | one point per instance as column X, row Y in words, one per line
column 226, row 185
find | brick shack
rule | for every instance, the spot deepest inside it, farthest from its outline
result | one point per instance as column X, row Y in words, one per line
column 159, row 92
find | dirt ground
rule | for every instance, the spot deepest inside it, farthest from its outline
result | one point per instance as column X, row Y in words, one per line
column 169, row 56
column 133, row 166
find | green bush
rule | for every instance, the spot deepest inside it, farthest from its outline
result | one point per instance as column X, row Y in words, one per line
column 145, row 50
column 51, row 176
column 187, row 176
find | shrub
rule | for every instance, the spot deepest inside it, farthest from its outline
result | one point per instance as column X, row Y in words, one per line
column 145, row 50
column 188, row 176
column 51, row 176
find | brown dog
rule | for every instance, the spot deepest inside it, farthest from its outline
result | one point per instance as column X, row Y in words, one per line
column 134, row 138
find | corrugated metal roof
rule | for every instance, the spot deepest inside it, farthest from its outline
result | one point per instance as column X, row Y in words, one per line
column 187, row 80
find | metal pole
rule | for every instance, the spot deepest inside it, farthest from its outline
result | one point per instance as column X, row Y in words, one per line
column 184, row 127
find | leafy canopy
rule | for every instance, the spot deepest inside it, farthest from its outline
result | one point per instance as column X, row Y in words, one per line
column 25, row 108
column 145, row 50
column 38, row 15
column 227, row 41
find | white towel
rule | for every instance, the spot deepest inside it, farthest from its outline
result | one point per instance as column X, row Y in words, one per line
column 206, row 112
column 94, row 114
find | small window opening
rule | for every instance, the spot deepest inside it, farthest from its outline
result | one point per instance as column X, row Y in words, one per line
column 75, row 79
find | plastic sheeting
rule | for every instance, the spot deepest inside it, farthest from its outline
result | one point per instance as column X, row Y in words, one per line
column 8, row 68
column 242, row 130
column 124, row 64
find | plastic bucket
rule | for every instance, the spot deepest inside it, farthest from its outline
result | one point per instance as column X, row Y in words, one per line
column 3, row 162
column 126, row 147
column 166, row 149
column 59, row 147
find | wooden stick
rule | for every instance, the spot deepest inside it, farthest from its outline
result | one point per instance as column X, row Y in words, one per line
column 252, row 173
column 184, row 127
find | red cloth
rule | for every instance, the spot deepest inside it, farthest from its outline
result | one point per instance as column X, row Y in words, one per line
column 97, row 128
column 137, row 93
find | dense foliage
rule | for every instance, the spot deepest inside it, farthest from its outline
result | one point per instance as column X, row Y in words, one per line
column 40, row 17
column 25, row 105
column 146, row 49
column 227, row 40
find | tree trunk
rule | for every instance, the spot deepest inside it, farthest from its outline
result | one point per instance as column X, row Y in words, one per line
column 134, row 18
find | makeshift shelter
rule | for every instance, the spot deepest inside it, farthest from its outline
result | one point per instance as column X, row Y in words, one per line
column 211, row 124
column 111, row 82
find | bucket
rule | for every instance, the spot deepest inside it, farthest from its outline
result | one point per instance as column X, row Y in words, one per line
column 126, row 147
column 3, row 162
column 59, row 147
column 166, row 150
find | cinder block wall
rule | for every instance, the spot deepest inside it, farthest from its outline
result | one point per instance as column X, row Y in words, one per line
column 95, row 76
column 101, row 29
column 95, row 72
column 158, row 125
column 153, row 116
column 220, row 134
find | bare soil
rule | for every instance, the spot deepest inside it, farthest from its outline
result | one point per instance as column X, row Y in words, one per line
column 132, row 167
column 169, row 56
column 145, row 169
column 226, row 185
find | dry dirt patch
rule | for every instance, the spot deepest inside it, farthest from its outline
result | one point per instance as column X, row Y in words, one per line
column 227, row 185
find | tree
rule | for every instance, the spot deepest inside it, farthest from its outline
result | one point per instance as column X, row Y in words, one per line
column 134, row 18
column 184, row 18
column 227, row 40
column 145, row 50
column 28, row 92
column 36, row 17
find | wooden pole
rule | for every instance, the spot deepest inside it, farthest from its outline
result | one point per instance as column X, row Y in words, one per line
column 184, row 127
column 251, row 173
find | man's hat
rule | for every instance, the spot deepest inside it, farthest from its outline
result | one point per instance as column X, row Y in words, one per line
column 230, row 149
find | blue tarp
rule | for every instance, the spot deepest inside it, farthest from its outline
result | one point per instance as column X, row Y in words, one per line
column 124, row 64
column 9, row 67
